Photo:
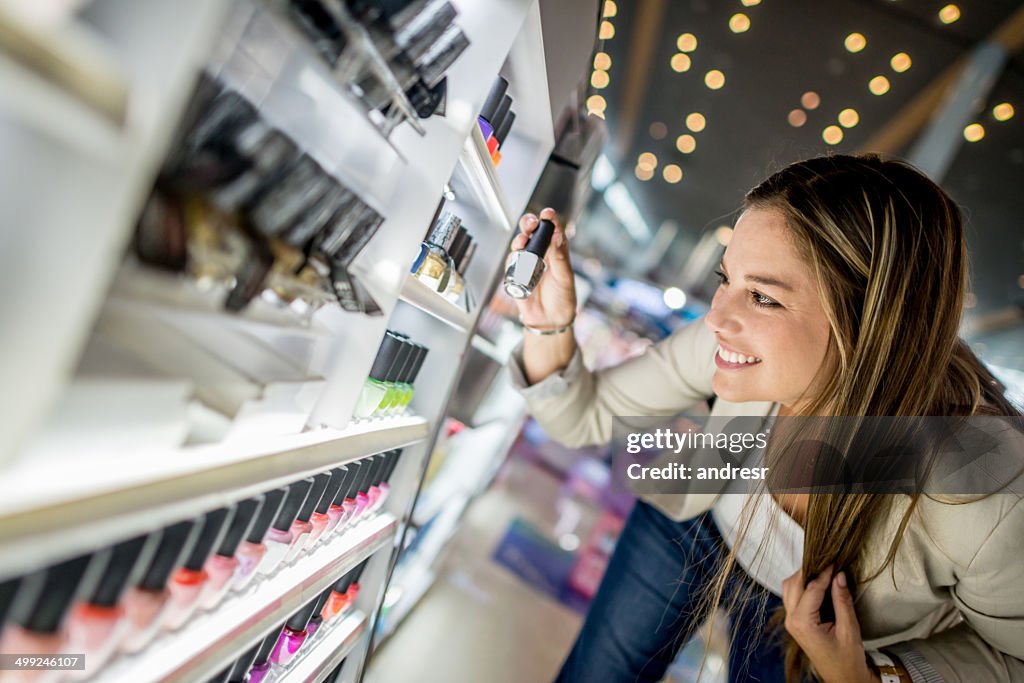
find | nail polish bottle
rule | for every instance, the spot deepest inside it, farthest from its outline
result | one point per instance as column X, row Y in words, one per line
column 433, row 64
column 237, row 671
column 526, row 267
column 336, row 510
column 394, row 377
column 343, row 594
column 188, row 581
column 433, row 265
column 293, row 635
column 97, row 624
column 320, row 519
column 373, row 490
column 352, row 295
column 279, row 537
column 490, row 108
column 410, row 388
column 38, row 609
column 301, row 528
column 362, row 499
column 316, row 621
column 261, row 664
column 252, row 550
column 375, row 387
column 348, row 502
column 501, row 134
column 455, row 282
column 385, row 485
column 223, row 564
column 146, row 602
column 503, row 109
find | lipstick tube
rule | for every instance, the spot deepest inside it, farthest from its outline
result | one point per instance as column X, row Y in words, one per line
column 279, row 537
column 223, row 564
column 147, row 601
column 302, row 527
column 251, row 552
column 188, row 582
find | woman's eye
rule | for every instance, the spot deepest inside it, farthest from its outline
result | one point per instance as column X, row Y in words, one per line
column 722, row 279
column 761, row 300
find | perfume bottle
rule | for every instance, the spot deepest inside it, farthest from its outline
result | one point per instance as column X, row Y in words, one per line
column 433, row 266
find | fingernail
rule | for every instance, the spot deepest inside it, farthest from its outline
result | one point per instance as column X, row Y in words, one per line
column 841, row 579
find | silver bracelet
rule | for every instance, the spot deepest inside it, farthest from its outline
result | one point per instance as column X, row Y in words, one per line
column 548, row 331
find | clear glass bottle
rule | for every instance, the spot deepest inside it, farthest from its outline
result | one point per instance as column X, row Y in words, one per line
column 376, row 385
column 433, row 266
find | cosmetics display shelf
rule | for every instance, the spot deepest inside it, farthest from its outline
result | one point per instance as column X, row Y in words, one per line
column 319, row 658
column 483, row 176
column 214, row 639
column 91, row 505
column 424, row 298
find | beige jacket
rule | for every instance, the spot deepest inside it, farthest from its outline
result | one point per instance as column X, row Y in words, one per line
column 956, row 610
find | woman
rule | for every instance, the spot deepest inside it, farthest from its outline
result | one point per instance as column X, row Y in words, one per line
column 841, row 294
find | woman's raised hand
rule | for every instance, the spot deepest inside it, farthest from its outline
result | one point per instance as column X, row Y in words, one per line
column 553, row 302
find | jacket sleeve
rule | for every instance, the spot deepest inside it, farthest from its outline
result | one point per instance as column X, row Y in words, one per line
column 989, row 644
column 576, row 406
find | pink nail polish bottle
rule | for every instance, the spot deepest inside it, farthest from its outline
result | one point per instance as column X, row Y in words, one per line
column 373, row 490
column 385, row 485
column 96, row 625
column 146, row 602
column 251, row 552
column 316, row 621
column 349, row 503
column 302, row 527
column 186, row 585
column 38, row 609
column 279, row 536
column 336, row 511
column 261, row 665
column 293, row 635
column 363, row 500
column 223, row 564
column 320, row 519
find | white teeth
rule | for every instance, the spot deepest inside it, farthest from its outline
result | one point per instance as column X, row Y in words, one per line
column 738, row 358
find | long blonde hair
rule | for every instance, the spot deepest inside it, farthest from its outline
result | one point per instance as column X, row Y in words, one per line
column 888, row 251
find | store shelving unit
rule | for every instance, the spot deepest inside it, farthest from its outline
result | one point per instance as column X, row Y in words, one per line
column 139, row 400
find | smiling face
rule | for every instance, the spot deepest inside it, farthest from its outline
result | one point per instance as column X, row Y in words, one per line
column 767, row 317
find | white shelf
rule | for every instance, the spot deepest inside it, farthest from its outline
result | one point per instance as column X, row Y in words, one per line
column 214, row 639
column 483, row 178
column 424, row 298
column 330, row 646
column 44, row 517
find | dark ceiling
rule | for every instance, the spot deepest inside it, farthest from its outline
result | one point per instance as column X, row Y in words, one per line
column 793, row 46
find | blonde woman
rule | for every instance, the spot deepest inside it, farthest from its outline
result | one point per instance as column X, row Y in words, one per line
column 841, row 295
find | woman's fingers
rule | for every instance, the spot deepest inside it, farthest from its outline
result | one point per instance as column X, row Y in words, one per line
column 810, row 601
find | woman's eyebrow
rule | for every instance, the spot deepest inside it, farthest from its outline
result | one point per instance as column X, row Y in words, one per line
column 760, row 279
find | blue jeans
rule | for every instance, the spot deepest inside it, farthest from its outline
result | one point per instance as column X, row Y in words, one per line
column 647, row 603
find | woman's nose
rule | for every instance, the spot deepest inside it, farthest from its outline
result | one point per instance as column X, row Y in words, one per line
column 721, row 317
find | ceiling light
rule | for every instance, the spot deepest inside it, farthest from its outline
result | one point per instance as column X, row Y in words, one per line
column 686, row 143
column 607, row 31
column 680, row 62
column 714, row 79
column 687, row 42
column 833, row 135
column 674, row 298
column 696, row 122
column 848, row 118
column 797, row 118
column 602, row 61
column 739, row 23
column 596, row 105
column 750, row 3
column 855, row 42
column 949, row 14
column 974, row 132
column 599, row 79
column 810, row 100
column 672, row 174
column 643, row 173
column 879, row 85
column 1003, row 112
column 724, row 235
column 658, row 130
column 610, row 9
column 647, row 160
column 900, row 62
